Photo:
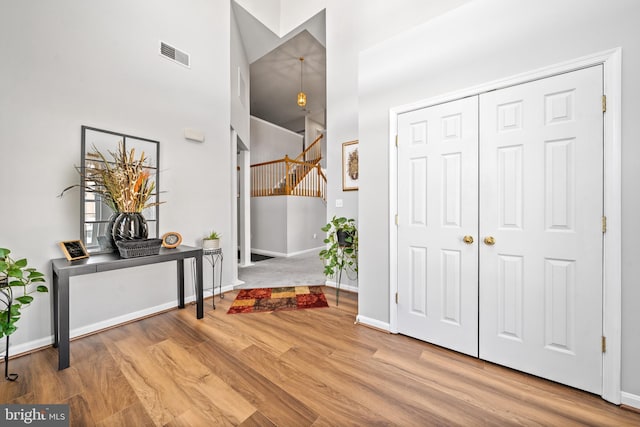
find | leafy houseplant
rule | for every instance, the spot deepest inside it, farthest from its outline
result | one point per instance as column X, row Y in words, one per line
column 211, row 241
column 15, row 274
column 341, row 253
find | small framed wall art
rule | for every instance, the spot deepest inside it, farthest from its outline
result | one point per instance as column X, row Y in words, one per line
column 74, row 249
column 350, row 166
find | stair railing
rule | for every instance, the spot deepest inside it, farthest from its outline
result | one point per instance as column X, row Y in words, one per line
column 313, row 153
column 291, row 177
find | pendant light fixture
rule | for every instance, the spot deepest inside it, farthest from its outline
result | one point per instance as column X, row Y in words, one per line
column 302, row 97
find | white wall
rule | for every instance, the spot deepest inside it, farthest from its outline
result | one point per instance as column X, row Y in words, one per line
column 266, row 11
column 272, row 142
column 76, row 63
column 295, row 12
column 286, row 225
column 483, row 41
column 351, row 27
column 305, row 218
column 240, row 85
column 269, row 225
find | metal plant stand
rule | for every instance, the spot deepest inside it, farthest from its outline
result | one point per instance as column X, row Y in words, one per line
column 338, row 286
column 6, row 291
column 214, row 256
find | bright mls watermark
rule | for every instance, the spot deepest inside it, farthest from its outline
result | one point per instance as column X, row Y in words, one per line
column 34, row 415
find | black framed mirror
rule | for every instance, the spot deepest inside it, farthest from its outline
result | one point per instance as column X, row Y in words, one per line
column 95, row 212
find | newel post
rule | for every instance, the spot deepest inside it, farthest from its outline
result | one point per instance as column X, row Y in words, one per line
column 287, row 176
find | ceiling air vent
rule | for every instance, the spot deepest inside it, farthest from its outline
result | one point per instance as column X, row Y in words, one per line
column 174, row 54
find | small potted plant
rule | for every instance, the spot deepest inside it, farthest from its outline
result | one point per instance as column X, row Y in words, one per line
column 212, row 241
column 15, row 274
column 341, row 253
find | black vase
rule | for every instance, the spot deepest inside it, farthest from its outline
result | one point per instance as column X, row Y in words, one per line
column 342, row 238
column 129, row 226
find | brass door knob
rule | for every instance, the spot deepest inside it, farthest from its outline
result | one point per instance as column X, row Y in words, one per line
column 489, row 241
column 468, row 239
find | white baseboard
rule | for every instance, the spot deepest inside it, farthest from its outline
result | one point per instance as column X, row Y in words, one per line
column 343, row 286
column 268, row 253
column 629, row 399
column 16, row 350
column 306, row 251
column 225, row 288
column 373, row 323
column 285, row 255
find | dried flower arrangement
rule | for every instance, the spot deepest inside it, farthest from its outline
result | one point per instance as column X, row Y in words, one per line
column 124, row 182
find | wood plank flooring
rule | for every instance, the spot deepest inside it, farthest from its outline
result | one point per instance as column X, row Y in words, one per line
column 294, row 368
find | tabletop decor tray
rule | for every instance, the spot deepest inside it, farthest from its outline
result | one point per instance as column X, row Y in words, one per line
column 139, row 247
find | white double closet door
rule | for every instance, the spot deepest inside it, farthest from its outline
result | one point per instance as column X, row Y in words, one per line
column 500, row 205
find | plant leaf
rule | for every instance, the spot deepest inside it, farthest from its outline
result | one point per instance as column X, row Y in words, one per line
column 42, row 289
column 25, row 299
column 22, row 263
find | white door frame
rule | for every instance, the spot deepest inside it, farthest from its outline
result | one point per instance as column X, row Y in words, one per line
column 234, row 208
column 612, row 264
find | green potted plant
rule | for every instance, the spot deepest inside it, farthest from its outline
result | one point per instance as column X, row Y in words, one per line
column 341, row 253
column 13, row 275
column 211, row 241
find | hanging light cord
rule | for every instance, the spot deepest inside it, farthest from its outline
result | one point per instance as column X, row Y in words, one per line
column 301, row 61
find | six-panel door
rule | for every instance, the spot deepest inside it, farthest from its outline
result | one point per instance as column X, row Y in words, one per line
column 530, row 157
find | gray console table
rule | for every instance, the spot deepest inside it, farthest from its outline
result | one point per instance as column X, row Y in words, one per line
column 63, row 269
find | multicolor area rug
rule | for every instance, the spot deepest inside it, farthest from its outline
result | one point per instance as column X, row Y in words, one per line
column 274, row 299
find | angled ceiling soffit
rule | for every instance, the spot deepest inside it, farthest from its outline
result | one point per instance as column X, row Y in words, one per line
column 259, row 39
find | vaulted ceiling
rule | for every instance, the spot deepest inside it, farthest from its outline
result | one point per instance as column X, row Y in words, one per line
column 275, row 70
column 276, row 78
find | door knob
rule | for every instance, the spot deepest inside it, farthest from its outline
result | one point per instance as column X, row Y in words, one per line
column 467, row 239
column 489, row 241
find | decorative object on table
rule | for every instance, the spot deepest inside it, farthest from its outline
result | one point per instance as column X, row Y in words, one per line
column 15, row 274
column 212, row 241
column 124, row 184
column 341, row 253
column 171, row 240
column 129, row 226
column 263, row 300
column 74, row 250
column 119, row 174
column 350, row 169
column 138, row 247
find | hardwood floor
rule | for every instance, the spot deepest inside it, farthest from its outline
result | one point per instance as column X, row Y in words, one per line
column 291, row 368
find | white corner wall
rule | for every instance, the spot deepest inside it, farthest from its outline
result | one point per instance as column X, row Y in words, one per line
column 72, row 64
column 269, row 225
column 266, row 11
column 240, row 85
column 286, row 225
column 483, row 41
column 272, row 142
column 305, row 218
